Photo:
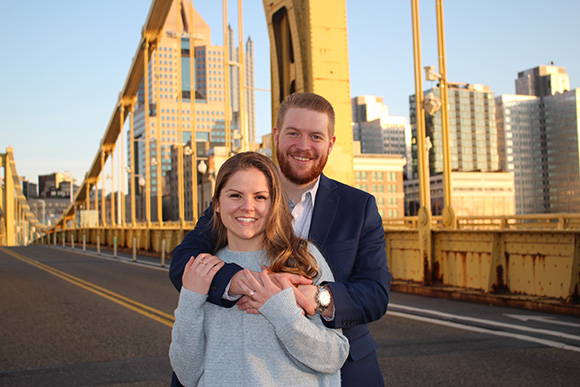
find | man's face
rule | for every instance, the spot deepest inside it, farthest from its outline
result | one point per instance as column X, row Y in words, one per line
column 303, row 145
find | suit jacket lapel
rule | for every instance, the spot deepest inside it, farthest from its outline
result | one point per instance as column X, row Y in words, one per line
column 325, row 208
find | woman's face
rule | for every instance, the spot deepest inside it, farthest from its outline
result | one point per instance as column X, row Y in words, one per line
column 243, row 206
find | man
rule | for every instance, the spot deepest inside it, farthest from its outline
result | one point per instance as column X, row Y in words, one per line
column 342, row 221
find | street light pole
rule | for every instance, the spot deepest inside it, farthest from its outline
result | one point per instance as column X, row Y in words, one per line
column 202, row 169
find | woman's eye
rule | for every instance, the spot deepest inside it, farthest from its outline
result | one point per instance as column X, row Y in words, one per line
column 262, row 197
column 235, row 195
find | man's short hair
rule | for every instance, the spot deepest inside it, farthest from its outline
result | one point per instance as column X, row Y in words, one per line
column 308, row 101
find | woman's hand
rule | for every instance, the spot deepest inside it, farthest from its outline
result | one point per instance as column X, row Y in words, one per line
column 281, row 280
column 199, row 272
column 262, row 288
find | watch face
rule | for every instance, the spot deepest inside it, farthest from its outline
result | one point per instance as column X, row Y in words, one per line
column 324, row 297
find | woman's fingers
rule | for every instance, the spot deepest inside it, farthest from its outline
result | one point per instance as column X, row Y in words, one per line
column 215, row 268
column 252, row 285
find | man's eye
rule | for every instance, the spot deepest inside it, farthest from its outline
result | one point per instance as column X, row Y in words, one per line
column 316, row 137
column 292, row 134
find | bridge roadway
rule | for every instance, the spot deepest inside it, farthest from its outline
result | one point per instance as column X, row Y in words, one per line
column 75, row 319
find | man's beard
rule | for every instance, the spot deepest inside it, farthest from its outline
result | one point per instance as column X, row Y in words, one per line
column 310, row 175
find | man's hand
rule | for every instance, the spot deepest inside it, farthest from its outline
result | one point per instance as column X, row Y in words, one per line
column 241, row 285
column 305, row 298
column 281, row 279
column 243, row 282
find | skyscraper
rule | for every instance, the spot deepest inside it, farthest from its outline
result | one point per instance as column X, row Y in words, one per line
column 378, row 131
column 472, row 130
column 186, row 77
column 539, row 137
column 473, row 152
column 520, row 148
column 542, row 81
column 562, row 150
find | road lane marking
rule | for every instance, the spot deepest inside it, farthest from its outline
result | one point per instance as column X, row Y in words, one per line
column 486, row 322
column 549, row 343
column 154, row 314
column 544, row 319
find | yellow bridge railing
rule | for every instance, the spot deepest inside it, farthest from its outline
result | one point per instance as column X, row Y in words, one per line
column 507, row 222
column 18, row 225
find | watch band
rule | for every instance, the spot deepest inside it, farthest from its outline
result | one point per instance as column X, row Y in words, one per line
column 323, row 298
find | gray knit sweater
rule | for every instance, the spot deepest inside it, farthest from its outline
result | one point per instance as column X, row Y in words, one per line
column 216, row 346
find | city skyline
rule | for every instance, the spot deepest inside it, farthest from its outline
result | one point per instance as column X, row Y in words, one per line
column 54, row 115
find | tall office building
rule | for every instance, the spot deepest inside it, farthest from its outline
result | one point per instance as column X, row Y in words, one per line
column 248, row 90
column 377, row 130
column 472, row 130
column 539, row 137
column 520, row 148
column 30, row 190
column 562, row 152
column 186, row 79
column 474, row 154
column 542, row 81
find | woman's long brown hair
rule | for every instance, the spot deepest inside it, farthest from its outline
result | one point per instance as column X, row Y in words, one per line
column 285, row 251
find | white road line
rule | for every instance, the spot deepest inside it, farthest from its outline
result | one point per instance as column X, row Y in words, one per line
column 544, row 319
column 486, row 322
column 549, row 343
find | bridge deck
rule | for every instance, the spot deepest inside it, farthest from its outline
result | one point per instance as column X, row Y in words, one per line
column 70, row 323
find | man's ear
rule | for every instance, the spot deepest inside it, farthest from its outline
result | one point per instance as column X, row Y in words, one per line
column 332, row 141
column 275, row 134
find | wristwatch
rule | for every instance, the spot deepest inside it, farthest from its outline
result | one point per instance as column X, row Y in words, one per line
column 323, row 298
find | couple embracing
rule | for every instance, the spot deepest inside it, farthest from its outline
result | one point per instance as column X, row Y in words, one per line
column 301, row 256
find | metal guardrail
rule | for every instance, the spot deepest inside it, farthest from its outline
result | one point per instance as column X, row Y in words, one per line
column 507, row 222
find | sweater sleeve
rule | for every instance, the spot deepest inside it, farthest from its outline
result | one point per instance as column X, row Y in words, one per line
column 307, row 340
column 199, row 241
column 187, row 348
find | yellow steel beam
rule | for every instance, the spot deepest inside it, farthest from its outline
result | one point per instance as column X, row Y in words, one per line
column 154, row 24
column 448, row 212
column 309, row 53
column 242, row 116
column 18, row 222
column 424, row 215
column 226, row 65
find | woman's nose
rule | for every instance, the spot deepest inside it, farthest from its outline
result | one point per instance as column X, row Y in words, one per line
column 247, row 204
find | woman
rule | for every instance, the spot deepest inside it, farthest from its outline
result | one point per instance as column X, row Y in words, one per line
column 214, row 346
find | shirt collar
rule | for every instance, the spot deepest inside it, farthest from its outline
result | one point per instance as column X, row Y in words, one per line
column 312, row 192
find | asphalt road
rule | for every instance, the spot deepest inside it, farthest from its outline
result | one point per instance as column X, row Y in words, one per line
column 74, row 319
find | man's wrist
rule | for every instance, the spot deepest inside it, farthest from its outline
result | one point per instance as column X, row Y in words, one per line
column 228, row 296
column 323, row 299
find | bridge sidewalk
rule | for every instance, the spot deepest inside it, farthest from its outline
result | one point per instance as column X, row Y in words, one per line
column 542, row 304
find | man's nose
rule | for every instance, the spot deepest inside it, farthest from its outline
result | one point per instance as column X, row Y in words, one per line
column 302, row 142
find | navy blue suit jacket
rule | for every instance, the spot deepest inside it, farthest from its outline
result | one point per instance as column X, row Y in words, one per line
column 347, row 229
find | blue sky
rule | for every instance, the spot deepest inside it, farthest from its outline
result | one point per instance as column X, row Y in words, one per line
column 64, row 62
